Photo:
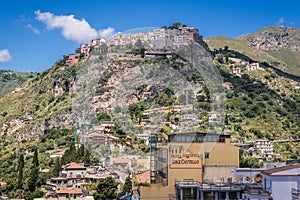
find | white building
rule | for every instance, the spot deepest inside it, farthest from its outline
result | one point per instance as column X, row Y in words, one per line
column 145, row 136
column 264, row 146
column 283, row 183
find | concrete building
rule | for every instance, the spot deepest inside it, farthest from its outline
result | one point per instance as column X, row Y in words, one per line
column 71, row 59
column 59, row 154
column 237, row 71
column 264, row 146
column 248, row 175
column 179, row 166
column 213, row 117
column 255, row 194
column 253, row 66
column 283, row 183
column 122, row 163
column 97, row 138
column 228, row 86
column 74, row 170
column 68, row 194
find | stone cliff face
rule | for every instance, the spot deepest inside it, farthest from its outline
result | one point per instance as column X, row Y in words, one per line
column 275, row 39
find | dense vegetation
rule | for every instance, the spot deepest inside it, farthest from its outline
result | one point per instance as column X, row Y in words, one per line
column 9, row 80
column 261, row 105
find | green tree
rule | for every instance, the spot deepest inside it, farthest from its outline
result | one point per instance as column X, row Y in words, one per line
column 256, row 132
column 33, row 177
column 57, row 167
column 249, row 162
column 81, row 152
column 35, row 194
column 162, row 99
column 226, row 120
column 87, row 157
column 127, row 186
column 176, row 24
column 20, row 170
column 206, row 92
column 103, row 116
column 35, row 158
column 106, row 189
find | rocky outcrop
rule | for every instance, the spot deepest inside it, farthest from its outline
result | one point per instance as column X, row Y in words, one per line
column 275, row 39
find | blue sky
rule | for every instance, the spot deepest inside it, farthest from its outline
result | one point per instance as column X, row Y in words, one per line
column 36, row 33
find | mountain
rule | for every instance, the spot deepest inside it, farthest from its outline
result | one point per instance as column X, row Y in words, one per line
column 263, row 103
column 10, row 80
column 279, row 46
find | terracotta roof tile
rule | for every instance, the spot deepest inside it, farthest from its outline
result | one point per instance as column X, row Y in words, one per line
column 143, row 177
column 60, row 153
column 75, row 166
column 68, row 192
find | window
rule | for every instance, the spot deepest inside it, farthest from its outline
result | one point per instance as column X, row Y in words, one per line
column 206, row 155
column 200, row 138
column 211, row 138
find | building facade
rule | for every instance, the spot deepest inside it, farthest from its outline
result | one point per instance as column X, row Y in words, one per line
column 282, row 182
column 186, row 157
column 264, row 146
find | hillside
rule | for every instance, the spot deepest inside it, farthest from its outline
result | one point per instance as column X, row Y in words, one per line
column 128, row 83
column 279, row 46
column 9, row 80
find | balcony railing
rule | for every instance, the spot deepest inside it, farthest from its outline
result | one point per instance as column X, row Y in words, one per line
column 296, row 193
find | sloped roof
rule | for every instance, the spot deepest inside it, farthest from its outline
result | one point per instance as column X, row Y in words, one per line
column 69, row 192
column 143, row 177
column 62, row 152
column 121, row 161
column 271, row 172
column 74, row 166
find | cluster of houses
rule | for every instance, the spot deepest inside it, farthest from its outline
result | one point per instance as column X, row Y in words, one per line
column 155, row 40
column 259, row 149
column 74, row 178
column 242, row 65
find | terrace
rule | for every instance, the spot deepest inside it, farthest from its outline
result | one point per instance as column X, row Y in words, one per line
column 295, row 194
column 190, row 189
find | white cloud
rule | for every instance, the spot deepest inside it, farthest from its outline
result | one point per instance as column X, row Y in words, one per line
column 280, row 21
column 5, row 55
column 106, row 33
column 71, row 28
column 33, row 29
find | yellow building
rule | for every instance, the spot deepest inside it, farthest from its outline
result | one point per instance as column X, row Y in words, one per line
column 193, row 157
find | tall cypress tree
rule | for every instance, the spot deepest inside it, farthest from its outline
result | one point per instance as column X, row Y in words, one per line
column 20, row 171
column 127, row 185
column 57, row 168
column 87, row 157
column 35, row 160
column 80, row 153
column 32, row 181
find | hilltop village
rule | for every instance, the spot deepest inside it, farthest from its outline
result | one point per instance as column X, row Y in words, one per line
column 175, row 156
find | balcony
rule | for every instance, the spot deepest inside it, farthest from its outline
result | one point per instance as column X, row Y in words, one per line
column 190, row 189
column 295, row 194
